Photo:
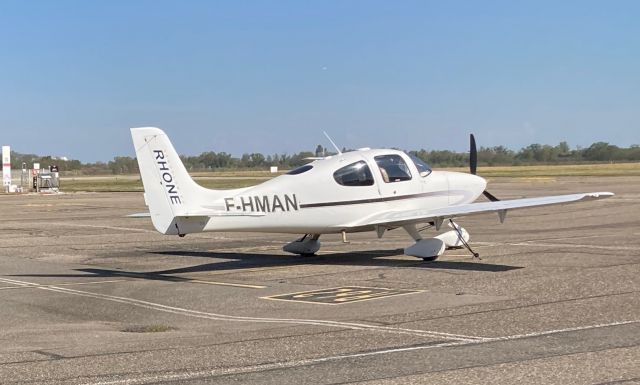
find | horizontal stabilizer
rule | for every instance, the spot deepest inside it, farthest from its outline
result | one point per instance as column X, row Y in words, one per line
column 139, row 215
column 230, row 214
column 208, row 214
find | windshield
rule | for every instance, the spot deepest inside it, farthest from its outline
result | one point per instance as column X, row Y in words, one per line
column 423, row 168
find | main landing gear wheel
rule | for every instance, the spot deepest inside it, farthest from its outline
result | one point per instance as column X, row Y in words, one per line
column 306, row 246
column 429, row 259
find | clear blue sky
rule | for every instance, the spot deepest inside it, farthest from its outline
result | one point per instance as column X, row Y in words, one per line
column 269, row 76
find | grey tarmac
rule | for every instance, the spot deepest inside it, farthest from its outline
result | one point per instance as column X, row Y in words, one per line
column 89, row 296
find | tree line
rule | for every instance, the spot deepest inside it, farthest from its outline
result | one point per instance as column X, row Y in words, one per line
column 534, row 154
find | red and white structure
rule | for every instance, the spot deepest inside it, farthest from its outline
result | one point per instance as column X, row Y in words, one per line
column 6, row 167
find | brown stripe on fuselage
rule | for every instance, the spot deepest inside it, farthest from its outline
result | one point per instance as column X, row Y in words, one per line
column 374, row 200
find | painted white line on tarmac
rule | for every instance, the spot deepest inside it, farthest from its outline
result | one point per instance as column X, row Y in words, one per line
column 556, row 331
column 224, row 317
column 203, row 374
column 139, row 230
column 535, row 243
column 562, row 245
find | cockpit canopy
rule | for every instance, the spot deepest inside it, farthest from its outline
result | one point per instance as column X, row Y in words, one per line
column 392, row 167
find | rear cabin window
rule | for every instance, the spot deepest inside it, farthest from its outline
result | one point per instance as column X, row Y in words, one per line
column 393, row 168
column 355, row 174
column 300, row 170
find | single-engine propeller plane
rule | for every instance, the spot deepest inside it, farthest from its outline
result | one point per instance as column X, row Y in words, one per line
column 363, row 190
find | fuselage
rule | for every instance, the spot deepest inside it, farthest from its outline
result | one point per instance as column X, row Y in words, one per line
column 328, row 195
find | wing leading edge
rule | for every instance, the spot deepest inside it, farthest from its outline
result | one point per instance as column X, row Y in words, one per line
column 395, row 218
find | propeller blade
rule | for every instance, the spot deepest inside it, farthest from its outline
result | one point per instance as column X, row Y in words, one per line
column 473, row 155
column 490, row 196
column 473, row 165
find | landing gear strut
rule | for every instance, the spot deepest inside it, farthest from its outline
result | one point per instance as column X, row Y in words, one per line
column 462, row 240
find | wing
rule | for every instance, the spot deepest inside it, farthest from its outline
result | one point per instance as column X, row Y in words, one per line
column 397, row 218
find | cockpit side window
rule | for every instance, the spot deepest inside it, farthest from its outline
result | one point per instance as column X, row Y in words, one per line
column 423, row 168
column 355, row 174
column 393, row 168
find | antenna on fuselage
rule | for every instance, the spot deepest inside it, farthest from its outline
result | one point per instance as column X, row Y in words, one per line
column 332, row 142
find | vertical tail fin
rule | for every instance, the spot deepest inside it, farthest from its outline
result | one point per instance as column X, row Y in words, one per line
column 169, row 190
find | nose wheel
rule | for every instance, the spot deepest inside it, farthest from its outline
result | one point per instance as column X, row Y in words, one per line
column 429, row 249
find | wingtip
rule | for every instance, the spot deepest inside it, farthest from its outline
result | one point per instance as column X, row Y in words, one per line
column 600, row 195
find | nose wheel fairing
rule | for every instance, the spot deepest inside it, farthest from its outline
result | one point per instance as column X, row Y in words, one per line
column 430, row 249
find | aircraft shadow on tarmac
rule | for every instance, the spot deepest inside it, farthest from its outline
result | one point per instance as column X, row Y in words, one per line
column 236, row 261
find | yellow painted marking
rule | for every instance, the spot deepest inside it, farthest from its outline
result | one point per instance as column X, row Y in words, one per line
column 134, row 276
column 253, row 270
column 227, row 284
column 186, row 279
column 35, row 285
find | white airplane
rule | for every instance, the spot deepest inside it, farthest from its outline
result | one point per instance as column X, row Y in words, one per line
column 364, row 190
